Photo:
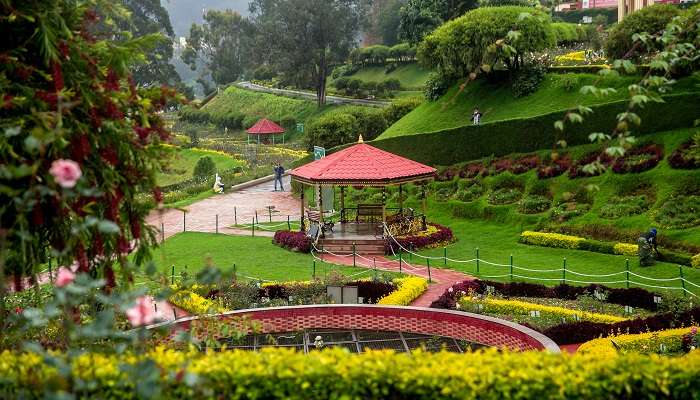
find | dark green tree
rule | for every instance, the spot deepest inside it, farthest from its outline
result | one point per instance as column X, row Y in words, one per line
column 420, row 17
column 307, row 38
column 222, row 44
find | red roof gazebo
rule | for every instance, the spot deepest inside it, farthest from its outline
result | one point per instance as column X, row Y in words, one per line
column 362, row 165
column 265, row 127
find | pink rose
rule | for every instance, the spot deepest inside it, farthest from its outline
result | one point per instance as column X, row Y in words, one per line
column 142, row 313
column 66, row 172
column 65, row 277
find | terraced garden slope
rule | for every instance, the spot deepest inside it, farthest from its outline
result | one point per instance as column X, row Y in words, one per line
column 411, row 76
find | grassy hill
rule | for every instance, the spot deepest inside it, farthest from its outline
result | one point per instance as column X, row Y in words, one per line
column 412, row 76
column 181, row 164
column 557, row 92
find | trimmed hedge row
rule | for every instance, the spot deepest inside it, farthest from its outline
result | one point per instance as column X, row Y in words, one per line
column 452, row 146
column 338, row 374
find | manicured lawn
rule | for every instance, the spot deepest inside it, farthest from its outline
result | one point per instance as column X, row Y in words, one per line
column 182, row 162
column 496, row 101
column 412, row 76
column 254, row 257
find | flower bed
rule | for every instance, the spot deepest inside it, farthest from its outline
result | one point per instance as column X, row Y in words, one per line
column 408, row 290
column 679, row 212
column 665, row 341
column 338, row 374
column 558, row 240
column 473, row 170
column 193, row 303
column 681, row 158
column 576, row 170
column 516, row 307
column 524, row 164
column 639, row 159
column 370, row 291
column 534, row 204
column 555, row 168
column 293, row 240
column 624, row 206
column 435, row 236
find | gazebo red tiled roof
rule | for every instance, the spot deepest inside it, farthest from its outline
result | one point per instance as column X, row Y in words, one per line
column 265, row 127
column 362, row 164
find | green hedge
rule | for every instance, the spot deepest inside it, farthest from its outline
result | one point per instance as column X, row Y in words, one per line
column 338, row 374
column 576, row 16
column 469, row 142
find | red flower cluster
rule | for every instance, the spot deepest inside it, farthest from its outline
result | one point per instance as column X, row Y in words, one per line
column 555, row 168
column 297, row 241
column 473, row 170
column 639, row 159
column 524, row 164
column 680, row 159
column 444, row 234
column 576, row 170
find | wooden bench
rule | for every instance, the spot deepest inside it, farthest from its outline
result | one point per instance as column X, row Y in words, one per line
column 370, row 212
column 315, row 217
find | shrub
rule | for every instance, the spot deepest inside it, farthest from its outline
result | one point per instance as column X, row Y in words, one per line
column 193, row 303
column 341, row 83
column 470, row 193
column 205, row 167
column 408, row 290
column 550, row 239
column 372, row 291
column 518, row 307
column 625, row 249
column 665, row 341
column 392, row 84
column 482, row 27
column 288, row 122
column 565, row 33
column 505, row 196
column 652, row 19
column 436, row 85
column 534, row 204
column 527, row 80
column 695, row 261
column 617, row 206
column 682, row 159
column 398, row 108
column 295, row 241
column 435, row 235
column 679, row 212
column 638, row 159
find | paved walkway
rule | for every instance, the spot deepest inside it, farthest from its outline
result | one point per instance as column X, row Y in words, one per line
column 442, row 278
column 239, row 206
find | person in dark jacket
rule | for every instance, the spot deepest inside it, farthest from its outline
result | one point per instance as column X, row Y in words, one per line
column 647, row 247
column 279, row 173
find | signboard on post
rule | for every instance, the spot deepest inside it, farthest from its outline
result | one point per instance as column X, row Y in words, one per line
column 319, row 152
column 300, row 127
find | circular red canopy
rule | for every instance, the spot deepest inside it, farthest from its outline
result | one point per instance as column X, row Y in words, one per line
column 362, row 164
column 265, row 127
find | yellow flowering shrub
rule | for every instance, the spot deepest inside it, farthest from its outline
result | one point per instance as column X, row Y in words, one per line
column 548, row 239
column 648, row 342
column 625, row 249
column 512, row 307
column 408, row 290
column 193, row 303
column 339, row 374
column 695, row 261
column 574, row 56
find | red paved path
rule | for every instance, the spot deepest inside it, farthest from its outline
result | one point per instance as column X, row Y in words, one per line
column 442, row 278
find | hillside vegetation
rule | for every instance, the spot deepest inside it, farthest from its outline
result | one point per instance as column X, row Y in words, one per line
column 412, row 76
column 557, row 92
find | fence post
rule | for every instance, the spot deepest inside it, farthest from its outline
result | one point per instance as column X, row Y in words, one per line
column 680, row 271
column 444, row 254
column 400, row 261
column 162, row 232
column 627, row 268
column 354, row 264
column 172, row 274
column 511, row 267
column 184, row 221
column 174, row 313
column 257, row 221
column 477, row 260
column 235, row 216
column 314, row 273
column 563, row 273
column 269, row 212
column 430, row 280
column 289, row 226
column 217, row 223
column 253, row 227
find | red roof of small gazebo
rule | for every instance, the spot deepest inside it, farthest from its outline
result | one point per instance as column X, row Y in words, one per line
column 265, row 127
column 362, row 164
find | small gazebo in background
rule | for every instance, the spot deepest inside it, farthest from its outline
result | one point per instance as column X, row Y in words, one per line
column 360, row 165
column 266, row 128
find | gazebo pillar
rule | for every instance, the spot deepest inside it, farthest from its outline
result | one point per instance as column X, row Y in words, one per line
column 342, row 204
column 384, row 205
column 303, row 227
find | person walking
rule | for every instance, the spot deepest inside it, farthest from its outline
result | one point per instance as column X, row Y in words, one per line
column 476, row 116
column 279, row 173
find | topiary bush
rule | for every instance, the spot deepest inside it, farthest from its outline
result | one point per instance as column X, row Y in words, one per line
column 205, row 167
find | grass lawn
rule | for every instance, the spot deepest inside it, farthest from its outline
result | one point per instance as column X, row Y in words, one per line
column 255, row 257
column 497, row 103
column 412, row 76
column 182, row 162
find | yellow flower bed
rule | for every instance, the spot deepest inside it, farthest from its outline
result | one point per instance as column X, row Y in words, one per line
column 576, row 56
column 283, row 151
column 339, row 374
column 408, row 290
column 503, row 306
column 649, row 342
column 547, row 239
column 695, row 261
column 194, row 303
column 289, row 283
column 625, row 249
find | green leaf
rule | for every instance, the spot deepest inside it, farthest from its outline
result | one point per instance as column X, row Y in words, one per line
column 108, row 227
column 559, row 125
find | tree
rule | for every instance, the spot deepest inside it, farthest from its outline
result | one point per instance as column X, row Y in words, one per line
column 149, row 17
column 420, row 17
column 652, row 20
column 486, row 36
column 223, row 44
column 307, row 38
column 204, row 168
column 80, row 142
column 389, row 22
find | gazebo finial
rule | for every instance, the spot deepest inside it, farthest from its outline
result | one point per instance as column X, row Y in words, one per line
column 360, row 140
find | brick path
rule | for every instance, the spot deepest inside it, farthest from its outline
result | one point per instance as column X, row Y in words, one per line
column 201, row 216
column 442, row 278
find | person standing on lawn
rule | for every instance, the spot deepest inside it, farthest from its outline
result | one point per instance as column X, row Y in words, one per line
column 279, row 172
column 476, row 116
